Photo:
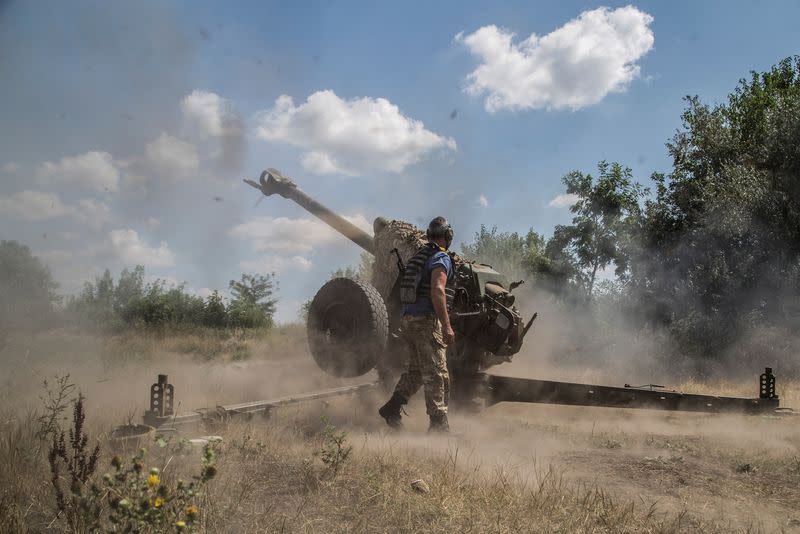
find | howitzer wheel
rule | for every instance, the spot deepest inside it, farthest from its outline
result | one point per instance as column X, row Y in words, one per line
column 347, row 327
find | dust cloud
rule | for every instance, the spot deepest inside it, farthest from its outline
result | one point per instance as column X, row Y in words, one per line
column 115, row 372
column 702, row 464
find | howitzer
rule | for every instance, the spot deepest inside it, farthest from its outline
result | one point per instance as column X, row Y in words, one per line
column 352, row 326
column 352, row 329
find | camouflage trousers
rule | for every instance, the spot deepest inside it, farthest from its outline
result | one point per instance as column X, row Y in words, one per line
column 427, row 364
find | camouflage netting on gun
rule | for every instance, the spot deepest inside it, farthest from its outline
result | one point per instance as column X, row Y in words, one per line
column 407, row 239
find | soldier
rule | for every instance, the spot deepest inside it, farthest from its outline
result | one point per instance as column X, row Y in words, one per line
column 426, row 292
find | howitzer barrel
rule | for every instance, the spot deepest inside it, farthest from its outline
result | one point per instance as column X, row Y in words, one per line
column 272, row 181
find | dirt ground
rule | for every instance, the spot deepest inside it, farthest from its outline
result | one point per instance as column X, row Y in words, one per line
column 728, row 473
column 738, row 472
column 741, row 471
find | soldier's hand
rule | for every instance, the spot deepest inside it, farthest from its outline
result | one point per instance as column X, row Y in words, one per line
column 448, row 335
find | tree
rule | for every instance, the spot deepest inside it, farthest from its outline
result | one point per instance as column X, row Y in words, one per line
column 724, row 229
column 154, row 308
column 363, row 271
column 97, row 303
column 721, row 239
column 508, row 252
column 104, row 298
column 251, row 303
column 130, row 287
column 606, row 220
column 27, row 290
column 523, row 256
column 131, row 302
column 214, row 313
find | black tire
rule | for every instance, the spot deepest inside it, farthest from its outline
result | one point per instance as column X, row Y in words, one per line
column 347, row 327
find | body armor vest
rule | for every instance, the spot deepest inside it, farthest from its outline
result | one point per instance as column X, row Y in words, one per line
column 414, row 283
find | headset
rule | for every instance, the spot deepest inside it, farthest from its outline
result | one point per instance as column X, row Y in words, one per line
column 440, row 228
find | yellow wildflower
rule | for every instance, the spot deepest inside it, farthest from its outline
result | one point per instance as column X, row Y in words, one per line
column 153, row 480
column 191, row 512
column 158, row 502
column 180, row 524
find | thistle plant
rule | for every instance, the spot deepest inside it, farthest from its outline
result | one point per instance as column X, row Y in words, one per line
column 140, row 501
column 129, row 498
column 79, row 508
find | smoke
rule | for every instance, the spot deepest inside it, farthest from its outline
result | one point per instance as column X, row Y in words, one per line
column 592, row 343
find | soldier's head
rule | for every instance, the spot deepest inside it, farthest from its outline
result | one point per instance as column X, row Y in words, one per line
column 440, row 232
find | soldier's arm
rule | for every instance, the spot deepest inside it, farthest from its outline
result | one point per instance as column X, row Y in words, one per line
column 439, row 301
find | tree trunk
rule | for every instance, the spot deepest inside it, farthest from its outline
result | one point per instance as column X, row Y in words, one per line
column 591, row 280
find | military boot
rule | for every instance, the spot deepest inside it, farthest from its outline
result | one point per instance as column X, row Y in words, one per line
column 439, row 424
column 391, row 411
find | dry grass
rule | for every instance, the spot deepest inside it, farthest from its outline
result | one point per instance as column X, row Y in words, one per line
column 286, row 488
column 515, row 468
column 271, row 479
column 204, row 344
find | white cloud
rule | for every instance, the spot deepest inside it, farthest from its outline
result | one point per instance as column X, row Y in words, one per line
column 319, row 163
column 349, row 136
column 39, row 206
column 483, row 201
column 136, row 183
column 171, row 157
column 209, row 117
column 92, row 212
column 130, row 248
column 204, row 111
column 152, row 223
column 10, row 167
column 285, row 235
column 94, row 170
column 574, row 66
column 33, row 206
column 563, row 200
column 275, row 264
column 209, row 114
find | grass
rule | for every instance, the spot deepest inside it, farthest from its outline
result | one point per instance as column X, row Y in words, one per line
column 271, row 478
column 594, row 470
column 373, row 492
column 71, row 346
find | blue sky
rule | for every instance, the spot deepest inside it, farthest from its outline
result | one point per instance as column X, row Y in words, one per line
column 125, row 129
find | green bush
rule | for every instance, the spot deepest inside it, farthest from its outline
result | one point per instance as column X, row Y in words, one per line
column 132, row 302
column 215, row 315
column 251, row 305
